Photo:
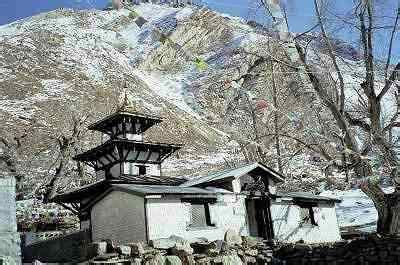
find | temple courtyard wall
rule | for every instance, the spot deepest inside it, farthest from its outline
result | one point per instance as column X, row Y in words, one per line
column 371, row 250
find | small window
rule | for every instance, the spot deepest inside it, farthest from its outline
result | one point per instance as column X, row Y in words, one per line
column 142, row 170
column 200, row 215
column 307, row 216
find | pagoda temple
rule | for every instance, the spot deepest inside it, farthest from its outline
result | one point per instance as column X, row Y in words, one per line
column 123, row 157
column 133, row 202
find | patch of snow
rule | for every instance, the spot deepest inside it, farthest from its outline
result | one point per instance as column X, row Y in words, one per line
column 53, row 87
column 153, row 12
column 168, row 87
column 356, row 209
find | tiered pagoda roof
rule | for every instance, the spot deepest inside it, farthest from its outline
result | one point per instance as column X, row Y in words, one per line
column 127, row 151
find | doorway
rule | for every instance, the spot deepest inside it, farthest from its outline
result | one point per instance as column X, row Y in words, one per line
column 259, row 217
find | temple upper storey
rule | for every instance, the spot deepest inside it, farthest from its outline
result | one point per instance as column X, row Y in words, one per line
column 125, row 155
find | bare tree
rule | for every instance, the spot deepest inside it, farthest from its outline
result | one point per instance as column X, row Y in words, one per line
column 369, row 123
column 67, row 143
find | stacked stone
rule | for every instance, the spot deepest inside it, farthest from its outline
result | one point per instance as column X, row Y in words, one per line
column 369, row 250
column 234, row 250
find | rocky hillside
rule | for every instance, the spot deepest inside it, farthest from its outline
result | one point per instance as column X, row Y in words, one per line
column 176, row 63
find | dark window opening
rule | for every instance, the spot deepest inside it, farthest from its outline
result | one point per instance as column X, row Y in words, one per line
column 307, row 216
column 200, row 214
column 142, row 170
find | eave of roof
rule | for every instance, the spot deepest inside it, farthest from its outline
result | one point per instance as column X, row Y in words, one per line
column 99, row 124
column 237, row 172
column 81, row 192
column 306, row 196
column 102, row 149
column 94, row 189
column 163, row 189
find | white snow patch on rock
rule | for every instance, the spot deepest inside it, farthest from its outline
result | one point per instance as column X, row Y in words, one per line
column 169, row 87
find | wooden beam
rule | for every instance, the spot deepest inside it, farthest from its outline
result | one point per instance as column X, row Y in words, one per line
column 69, row 208
column 148, row 155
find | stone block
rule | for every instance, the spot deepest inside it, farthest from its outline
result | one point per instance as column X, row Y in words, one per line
column 231, row 260
column 123, row 250
column 173, row 260
column 232, row 237
column 96, row 249
column 136, row 261
column 203, row 247
column 250, row 260
column 182, row 249
column 249, row 242
column 251, row 252
column 156, row 260
column 137, row 249
column 167, row 243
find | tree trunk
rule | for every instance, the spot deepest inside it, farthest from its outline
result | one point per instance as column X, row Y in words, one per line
column 276, row 120
column 388, row 207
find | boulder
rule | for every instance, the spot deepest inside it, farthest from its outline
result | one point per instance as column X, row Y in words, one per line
column 166, row 243
column 173, row 260
column 250, row 242
column 180, row 248
column 219, row 244
column 204, row 261
column 232, row 237
column 198, row 240
column 140, row 21
column 250, row 260
column 187, row 260
column 106, row 256
column 212, row 252
column 136, row 261
column 162, row 243
column 110, row 245
column 137, row 249
column 178, row 239
column 203, row 247
column 158, row 259
column 97, row 249
column 225, row 247
column 231, row 260
column 251, row 252
column 217, row 260
column 123, row 250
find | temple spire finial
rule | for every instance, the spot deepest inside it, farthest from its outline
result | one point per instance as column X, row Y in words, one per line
column 125, row 104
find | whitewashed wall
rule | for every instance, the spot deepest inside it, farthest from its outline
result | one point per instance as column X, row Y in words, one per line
column 168, row 217
column 286, row 218
column 151, row 169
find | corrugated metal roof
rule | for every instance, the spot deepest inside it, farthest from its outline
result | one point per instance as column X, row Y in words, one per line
column 306, row 196
column 162, row 189
column 237, row 172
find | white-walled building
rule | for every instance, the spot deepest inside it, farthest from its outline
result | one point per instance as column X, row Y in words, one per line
column 132, row 201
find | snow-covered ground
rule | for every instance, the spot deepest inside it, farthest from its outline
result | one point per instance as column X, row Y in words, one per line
column 356, row 209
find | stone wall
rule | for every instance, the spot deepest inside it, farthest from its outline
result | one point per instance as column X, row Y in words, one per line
column 234, row 250
column 9, row 238
column 371, row 250
column 68, row 248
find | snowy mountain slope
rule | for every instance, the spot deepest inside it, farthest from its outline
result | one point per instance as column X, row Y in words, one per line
column 67, row 62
